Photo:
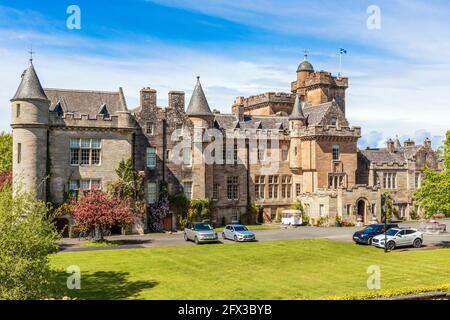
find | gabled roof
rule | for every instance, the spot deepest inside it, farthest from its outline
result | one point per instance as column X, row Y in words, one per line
column 198, row 106
column 30, row 86
column 86, row 102
column 400, row 155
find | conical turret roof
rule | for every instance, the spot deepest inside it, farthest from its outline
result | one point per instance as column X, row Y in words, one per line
column 30, row 86
column 198, row 106
column 297, row 111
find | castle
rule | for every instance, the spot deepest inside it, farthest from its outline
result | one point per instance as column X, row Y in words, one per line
column 71, row 140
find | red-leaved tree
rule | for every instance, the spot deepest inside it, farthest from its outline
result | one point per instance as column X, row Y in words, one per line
column 97, row 210
column 5, row 178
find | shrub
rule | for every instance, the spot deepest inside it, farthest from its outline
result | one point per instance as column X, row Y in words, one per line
column 96, row 210
column 27, row 237
column 322, row 222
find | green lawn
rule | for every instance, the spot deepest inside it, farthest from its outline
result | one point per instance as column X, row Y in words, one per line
column 303, row 269
column 253, row 227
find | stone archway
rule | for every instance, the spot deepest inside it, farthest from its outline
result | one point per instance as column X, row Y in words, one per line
column 361, row 211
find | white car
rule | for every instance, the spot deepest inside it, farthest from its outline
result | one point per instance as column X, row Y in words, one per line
column 399, row 237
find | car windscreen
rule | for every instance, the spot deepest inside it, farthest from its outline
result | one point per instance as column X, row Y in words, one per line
column 202, row 227
column 371, row 229
column 392, row 232
column 240, row 228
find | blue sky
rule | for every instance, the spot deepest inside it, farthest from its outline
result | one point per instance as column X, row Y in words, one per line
column 398, row 74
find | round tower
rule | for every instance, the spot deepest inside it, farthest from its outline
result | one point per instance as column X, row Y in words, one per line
column 202, row 119
column 303, row 71
column 297, row 121
column 30, row 121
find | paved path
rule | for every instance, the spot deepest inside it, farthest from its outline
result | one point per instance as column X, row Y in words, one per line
column 176, row 239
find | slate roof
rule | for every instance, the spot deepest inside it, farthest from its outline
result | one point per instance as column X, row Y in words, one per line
column 297, row 110
column 198, row 106
column 400, row 155
column 314, row 116
column 86, row 102
column 30, row 86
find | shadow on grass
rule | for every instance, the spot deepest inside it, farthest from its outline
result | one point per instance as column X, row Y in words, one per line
column 101, row 285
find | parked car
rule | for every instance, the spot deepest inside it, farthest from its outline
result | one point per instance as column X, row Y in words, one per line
column 238, row 232
column 200, row 232
column 365, row 236
column 399, row 237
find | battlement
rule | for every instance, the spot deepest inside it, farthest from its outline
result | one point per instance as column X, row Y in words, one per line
column 265, row 98
column 120, row 120
column 315, row 131
column 325, row 78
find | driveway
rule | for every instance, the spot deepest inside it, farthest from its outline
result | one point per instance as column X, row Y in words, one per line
column 288, row 233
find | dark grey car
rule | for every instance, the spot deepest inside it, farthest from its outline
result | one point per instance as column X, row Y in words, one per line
column 200, row 232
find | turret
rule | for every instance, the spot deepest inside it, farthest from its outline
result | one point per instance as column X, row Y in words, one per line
column 297, row 120
column 202, row 118
column 29, row 121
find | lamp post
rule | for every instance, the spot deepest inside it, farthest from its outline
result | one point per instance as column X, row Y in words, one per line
column 385, row 225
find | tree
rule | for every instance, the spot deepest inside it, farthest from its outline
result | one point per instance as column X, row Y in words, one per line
column 27, row 237
column 199, row 210
column 5, row 179
column 6, row 152
column 434, row 193
column 387, row 205
column 99, row 211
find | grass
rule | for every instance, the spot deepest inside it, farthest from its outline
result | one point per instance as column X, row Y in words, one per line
column 298, row 269
column 252, row 227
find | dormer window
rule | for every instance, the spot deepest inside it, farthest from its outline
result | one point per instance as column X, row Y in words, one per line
column 59, row 110
column 333, row 121
column 149, row 128
column 104, row 111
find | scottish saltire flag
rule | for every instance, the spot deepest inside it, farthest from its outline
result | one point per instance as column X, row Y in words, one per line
column 343, row 51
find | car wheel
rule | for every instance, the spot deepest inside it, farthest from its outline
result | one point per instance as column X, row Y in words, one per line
column 369, row 241
column 235, row 238
column 223, row 236
column 196, row 240
column 186, row 237
column 390, row 245
column 417, row 243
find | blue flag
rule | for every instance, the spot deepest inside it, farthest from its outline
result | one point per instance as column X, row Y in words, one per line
column 343, row 51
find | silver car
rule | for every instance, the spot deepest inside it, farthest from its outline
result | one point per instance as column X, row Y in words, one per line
column 399, row 237
column 200, row 232
column 238, row 232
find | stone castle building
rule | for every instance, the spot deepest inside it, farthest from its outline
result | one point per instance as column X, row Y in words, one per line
column 71, row 140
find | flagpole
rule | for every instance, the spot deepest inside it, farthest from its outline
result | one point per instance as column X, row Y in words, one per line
column 340, row 64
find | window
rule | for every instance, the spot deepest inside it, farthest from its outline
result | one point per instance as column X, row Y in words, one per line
column 149, row 128
column 19, row 152
column 349, row 209
column 336, row 153
column 374, row 208
column 295, row 151
column 298, row 189
column 273, row 214
column 261, row 153
column 273, row 187
column 402, row 210
column 333, row 121
column 167, row 156
column 151, row 192
column 260, row 187
column 322, row 210
column 233, row 188
column 187, row 189
column 85, row 151
column 418, row 180
column 18, row 110
column 284, row 153
column 235, row 216
column 151, row 158
column 389, row 180
column 187, row 156
column 235, row 154
column 75, row 186
column 336, row 181
column 286, row 187
column 215, row 191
